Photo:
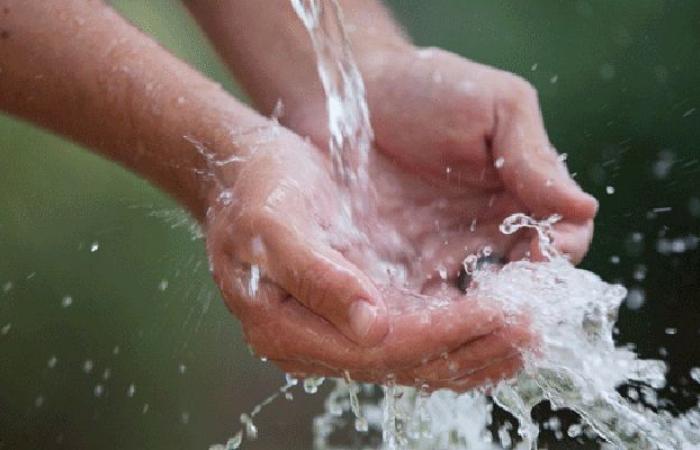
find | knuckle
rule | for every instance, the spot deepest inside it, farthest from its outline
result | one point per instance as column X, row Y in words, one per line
column 518, row 93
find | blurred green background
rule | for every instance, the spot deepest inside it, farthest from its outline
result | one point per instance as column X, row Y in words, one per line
column 619, row 89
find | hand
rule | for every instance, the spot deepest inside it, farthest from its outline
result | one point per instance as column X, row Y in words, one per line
column 468, row 140
column 300, row 281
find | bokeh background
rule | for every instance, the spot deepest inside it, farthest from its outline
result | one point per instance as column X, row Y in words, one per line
column 113, row 336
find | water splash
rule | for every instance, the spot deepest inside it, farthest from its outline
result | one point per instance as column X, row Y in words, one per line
column 577, row 365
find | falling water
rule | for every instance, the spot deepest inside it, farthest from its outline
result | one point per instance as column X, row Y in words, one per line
column 577, row 365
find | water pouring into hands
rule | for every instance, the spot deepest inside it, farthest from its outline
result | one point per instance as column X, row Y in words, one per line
column 375, row 293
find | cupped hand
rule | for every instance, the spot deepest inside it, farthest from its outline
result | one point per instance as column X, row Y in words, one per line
column 461, row 146
column 319, row 296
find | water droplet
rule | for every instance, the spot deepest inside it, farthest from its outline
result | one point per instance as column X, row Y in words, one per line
column 94, row 247
column 635, row 298
column 554, row 79
column 311, row 385
column 574, row 430
column 99, row 390
column 6, row 329
column 361, row 425
column 7, row 287
column 695, row 374
column 670, row 331
column 182, row 369
column 66, row 301
column 88, row 365
column 442, row 272
column 254, row 281
column 39, row 401
column 235, row 442
column 131, row 390
column 499, row 162
column 251, row 431
column 640, row 272
column 51, row 363
column 163, row 285
column 610, row 190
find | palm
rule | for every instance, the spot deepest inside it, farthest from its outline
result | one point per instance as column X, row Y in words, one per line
column 426, row 225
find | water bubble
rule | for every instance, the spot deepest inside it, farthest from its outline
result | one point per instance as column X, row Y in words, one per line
column 7, row 287
column 99, row 390
column 39, row 401
column 554, row 79
column 670, row 331
column 610, row 190
column 185, row 417
column 66, row 301
column 145, row 408
column 614, row 259
column 163, row 285
column 94, row 247
column 51, row 363
column 116, row 350
column 131, row 390
column 6, row 328
column 88, row 365
column 533, row 67
column 106, row 374
column 182, row 369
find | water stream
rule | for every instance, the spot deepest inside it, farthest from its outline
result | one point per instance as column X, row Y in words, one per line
column 577, row 366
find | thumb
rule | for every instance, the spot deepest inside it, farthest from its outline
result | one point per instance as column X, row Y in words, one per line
column 328, row 284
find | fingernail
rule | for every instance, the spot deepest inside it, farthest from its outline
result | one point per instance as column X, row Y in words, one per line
column 362, row 316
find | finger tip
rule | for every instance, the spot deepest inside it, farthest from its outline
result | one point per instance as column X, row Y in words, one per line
column 369, row 323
